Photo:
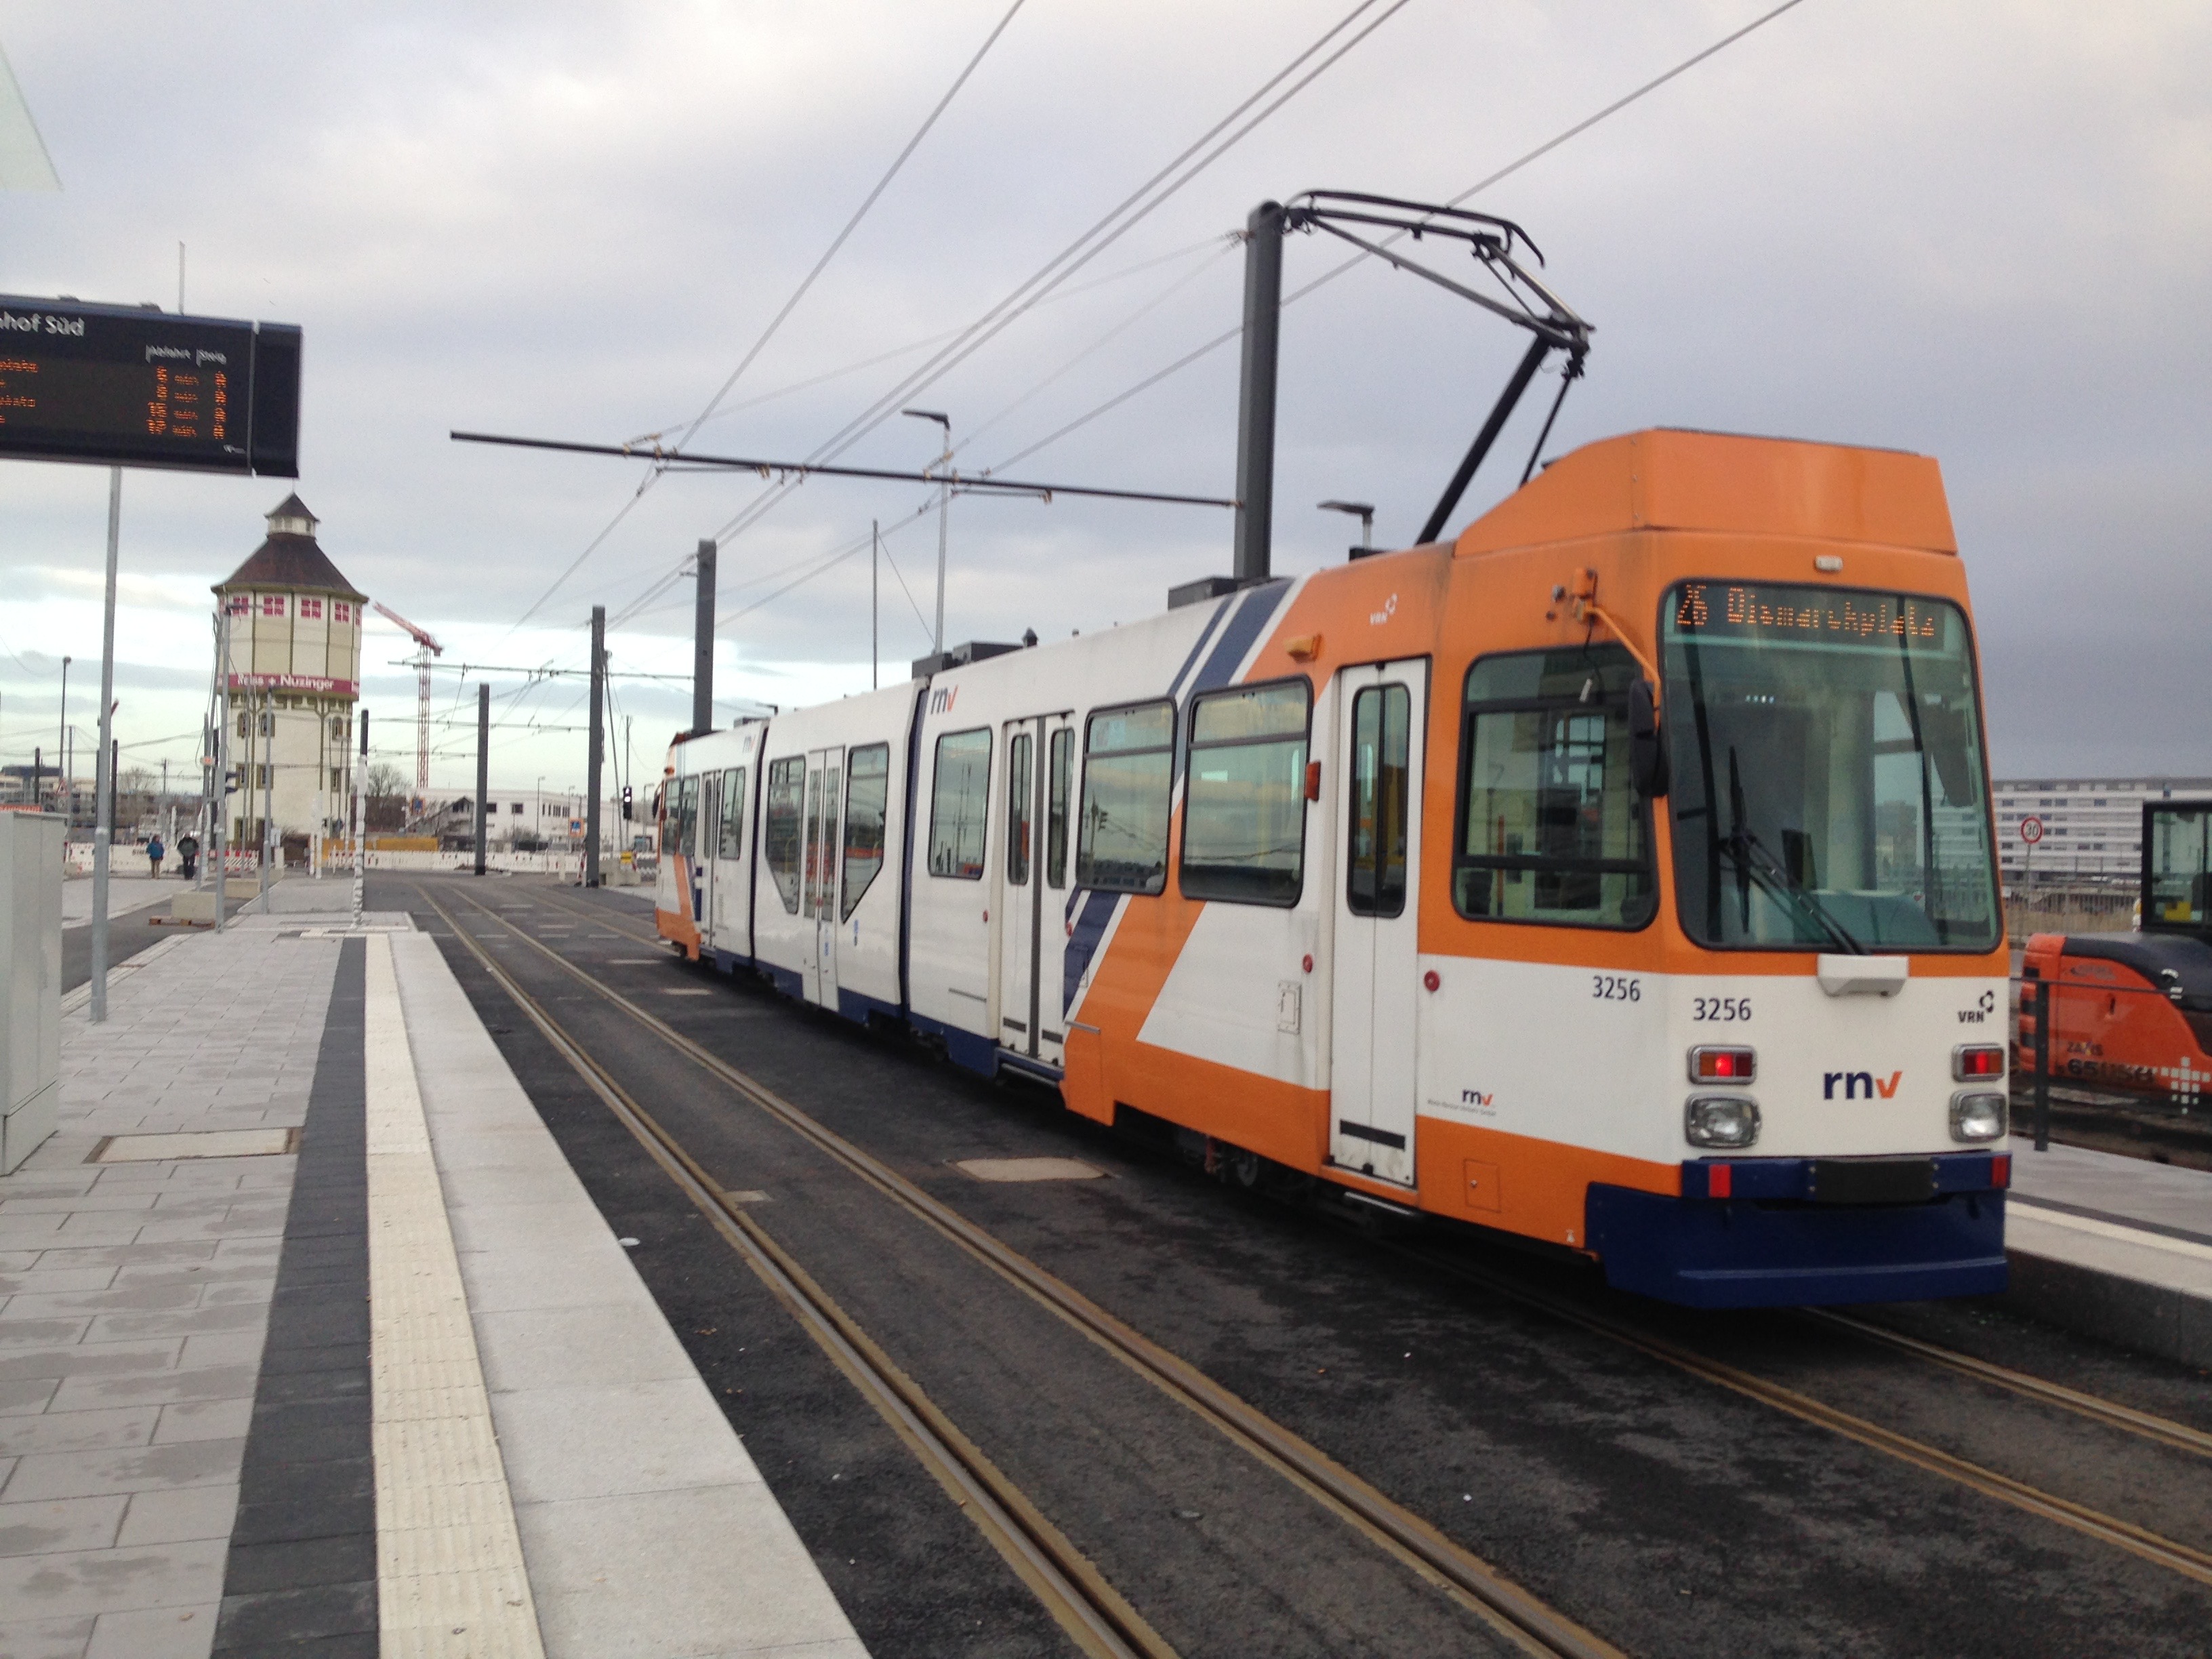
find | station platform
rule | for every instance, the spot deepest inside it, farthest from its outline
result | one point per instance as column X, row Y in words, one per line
column 2114, row 1248
column 312, row 1342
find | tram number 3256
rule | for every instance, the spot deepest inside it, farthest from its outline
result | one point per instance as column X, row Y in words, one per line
column 1726, row 1009
column 1615, row 988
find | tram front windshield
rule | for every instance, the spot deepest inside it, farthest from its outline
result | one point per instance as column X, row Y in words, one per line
column 1828, row 783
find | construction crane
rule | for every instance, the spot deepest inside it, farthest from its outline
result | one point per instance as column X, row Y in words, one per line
column 425, row 649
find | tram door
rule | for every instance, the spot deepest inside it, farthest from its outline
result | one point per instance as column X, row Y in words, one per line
column 730, row 905
column 825, row 789
column 710, row 827
column 1380, row 717
column 1035, row 804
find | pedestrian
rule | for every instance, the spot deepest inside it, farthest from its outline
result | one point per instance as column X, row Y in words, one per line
column 188, row 854
column 155, row 853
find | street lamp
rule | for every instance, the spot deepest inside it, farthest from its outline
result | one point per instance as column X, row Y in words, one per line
column 944, row 507
column 1366, row 512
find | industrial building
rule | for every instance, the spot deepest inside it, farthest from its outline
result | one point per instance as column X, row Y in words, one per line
column 2091, row 827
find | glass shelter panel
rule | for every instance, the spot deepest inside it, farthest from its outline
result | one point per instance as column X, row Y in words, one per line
column 2178, row 865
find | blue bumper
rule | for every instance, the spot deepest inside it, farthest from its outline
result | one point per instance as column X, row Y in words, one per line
column 1766, row 1247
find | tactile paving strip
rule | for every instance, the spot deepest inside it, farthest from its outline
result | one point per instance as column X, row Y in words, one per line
column 450, row 1578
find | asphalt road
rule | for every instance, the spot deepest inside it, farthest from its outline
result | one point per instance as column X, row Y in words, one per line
column 127, row 935
column 1670, row 1516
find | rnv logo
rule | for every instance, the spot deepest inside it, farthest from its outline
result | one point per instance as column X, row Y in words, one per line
column 1860, row 1085
column 1473, row 1097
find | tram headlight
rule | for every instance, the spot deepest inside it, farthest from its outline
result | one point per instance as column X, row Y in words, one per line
column 1727, row 1122
column 1978, row 1116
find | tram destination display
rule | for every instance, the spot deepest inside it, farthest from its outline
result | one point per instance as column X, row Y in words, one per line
column 134, row 387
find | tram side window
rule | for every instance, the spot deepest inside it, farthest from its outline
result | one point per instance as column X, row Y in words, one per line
column 1379, row 800
column 1551, row 829
column 959, row 805
column 1244, row 812
column 687, row 817
column 1057, row 791
column 710, row 812
column 1129, row 770
column 734, row 812
column 867, row 785
column 787, row 800
column 1018, row 808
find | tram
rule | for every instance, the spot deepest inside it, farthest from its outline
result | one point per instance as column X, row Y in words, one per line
column 2132, row 1011
column 1619, row 874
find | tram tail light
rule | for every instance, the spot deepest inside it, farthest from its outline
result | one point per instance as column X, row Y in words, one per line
column 1723, row 1065
column 1976, row 1117
column 1976, row 1062
column 1727, row 1122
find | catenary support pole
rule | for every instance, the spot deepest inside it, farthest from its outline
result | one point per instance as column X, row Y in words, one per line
column 1256, row 395
column 218, row 811
column 360, row 842
column 265, row 727
column 702, row 644
column 483, row 772
column 875, row 583
column 103, row 770
column 591, row 765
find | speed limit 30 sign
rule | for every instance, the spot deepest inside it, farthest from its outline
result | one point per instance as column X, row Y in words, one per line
column 2030, row 830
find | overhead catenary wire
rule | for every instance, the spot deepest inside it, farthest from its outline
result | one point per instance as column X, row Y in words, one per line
column 1338, row 270
column 1124, row 217
column 791, row 304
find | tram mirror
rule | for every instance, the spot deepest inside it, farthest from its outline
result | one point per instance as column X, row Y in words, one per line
column 1647, row 750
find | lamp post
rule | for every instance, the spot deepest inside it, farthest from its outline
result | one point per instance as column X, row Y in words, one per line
column 1366, row 512
column 61, row 749
column 944, row 507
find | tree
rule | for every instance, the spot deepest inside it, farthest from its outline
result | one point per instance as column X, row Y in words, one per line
column 385, row 808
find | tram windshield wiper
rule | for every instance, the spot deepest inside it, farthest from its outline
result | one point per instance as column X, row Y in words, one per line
column 1756, row 864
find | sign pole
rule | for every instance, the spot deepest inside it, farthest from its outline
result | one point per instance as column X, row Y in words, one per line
column 265, row 725
column 219, row 799
column 103, row 771
column 360, row 846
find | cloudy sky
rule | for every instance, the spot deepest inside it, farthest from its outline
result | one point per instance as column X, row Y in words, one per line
column 1981, row 231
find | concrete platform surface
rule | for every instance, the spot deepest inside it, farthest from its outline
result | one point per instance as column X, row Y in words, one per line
column 202, row 1449
column 2120, row 1248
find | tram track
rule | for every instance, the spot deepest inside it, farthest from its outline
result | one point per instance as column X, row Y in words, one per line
column 1079, row 1598
column 2107, row 1413
column 2184, row 1559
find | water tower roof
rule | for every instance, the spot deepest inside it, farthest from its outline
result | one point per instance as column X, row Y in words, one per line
column 289, row 557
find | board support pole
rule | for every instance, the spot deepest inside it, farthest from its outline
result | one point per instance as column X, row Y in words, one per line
column 103, row 768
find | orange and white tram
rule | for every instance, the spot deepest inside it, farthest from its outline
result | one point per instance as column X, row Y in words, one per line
column 1617, row 875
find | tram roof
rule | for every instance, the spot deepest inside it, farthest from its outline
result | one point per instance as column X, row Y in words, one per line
column 1670, row 478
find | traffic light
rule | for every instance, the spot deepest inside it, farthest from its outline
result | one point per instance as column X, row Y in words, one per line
column 626, row 803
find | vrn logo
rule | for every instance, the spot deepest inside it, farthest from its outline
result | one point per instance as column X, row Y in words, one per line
column 942, row 699
column 1860, row 1085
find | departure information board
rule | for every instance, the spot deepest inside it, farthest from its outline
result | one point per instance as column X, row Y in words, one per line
column 139, row 387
